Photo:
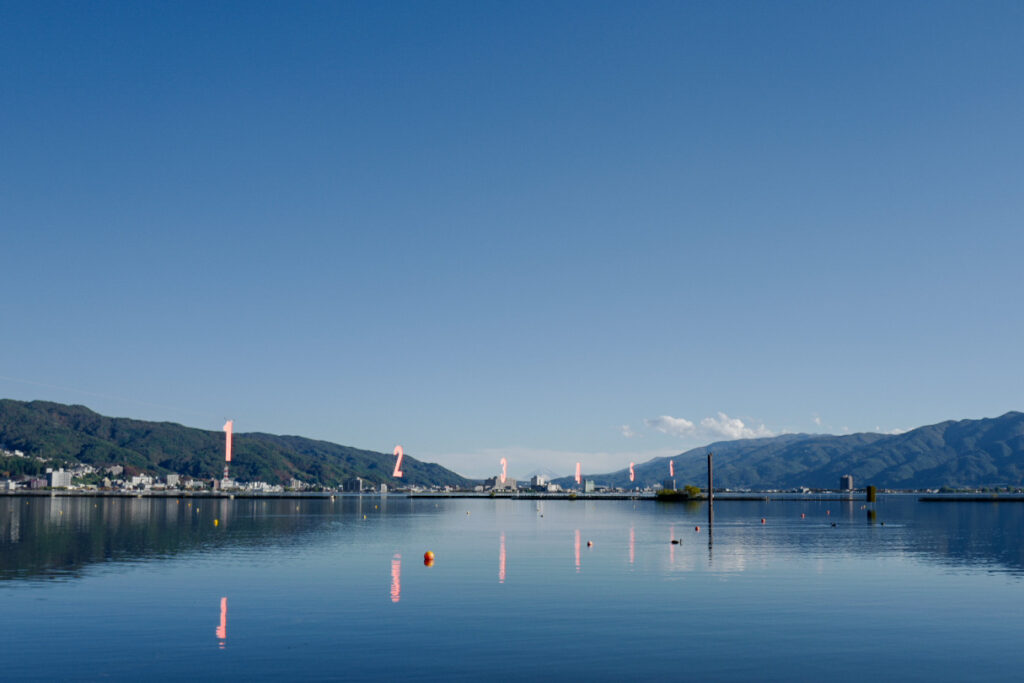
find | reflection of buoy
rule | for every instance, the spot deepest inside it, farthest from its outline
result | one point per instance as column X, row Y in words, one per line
column 763, row 521
column 428, row 562
column 428, row 556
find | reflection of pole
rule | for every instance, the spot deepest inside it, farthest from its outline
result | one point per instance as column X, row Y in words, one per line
column 711, row 495
column 576, row 548
column 222, row 628
column 501, row 559
column 396, row 577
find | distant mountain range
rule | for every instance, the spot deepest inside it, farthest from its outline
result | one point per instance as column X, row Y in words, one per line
column 964, row 453
column 75, row 433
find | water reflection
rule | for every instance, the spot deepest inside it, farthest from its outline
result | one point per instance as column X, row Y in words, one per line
column 396, row 577
column 501, row 560
column 632, row 544
column 222, row 628
column 576, row 547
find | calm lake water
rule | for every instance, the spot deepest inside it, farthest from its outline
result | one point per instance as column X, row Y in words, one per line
column 320, row 589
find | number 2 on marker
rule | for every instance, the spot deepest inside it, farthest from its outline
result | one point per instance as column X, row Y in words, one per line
column 398, row 463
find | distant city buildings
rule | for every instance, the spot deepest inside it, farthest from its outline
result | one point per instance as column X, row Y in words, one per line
column 355, row 485
column 846, row 482
column 495, row 484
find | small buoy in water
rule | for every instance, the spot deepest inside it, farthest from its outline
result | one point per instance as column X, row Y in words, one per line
column 467, row 512
column 589, row 543
column 763, row 521
column 675, row 542
column 803, row 515
column 428, row 556
column 697, row 529
column 374, row 507
column 216, row 522
column 364, row 516
column 828, row 512
column 883, row 523
column 833, row 523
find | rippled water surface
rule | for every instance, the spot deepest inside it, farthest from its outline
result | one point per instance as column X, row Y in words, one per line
column 322, row 589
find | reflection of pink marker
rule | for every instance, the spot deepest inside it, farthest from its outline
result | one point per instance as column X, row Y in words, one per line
column 396, row 577
column 577, row 473
column 632, row 476
column 501, row 560
column 504, row 470
column 222, row 629
column 671, row 469
column 398, row 464
column 632, row 544
column 577, row 548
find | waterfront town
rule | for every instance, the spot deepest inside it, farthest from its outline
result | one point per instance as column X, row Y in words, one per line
column 84, row 478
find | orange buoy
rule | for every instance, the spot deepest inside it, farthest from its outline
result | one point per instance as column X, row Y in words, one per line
column 697, row 529
column 428, row 557
column 763, row 521
column 803, row 515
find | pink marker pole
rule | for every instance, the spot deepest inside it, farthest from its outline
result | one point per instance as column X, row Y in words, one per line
column 227, row 429
column 504, row 470
column 671, row 468
column 578, row 477
column 632, row 476
column 398, row 464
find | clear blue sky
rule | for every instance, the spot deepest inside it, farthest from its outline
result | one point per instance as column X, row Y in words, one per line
column 549, row 231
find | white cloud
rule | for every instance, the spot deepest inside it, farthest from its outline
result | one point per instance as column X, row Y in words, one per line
column 733, row 428
column 676, row 426
column 627, row 431
column 718, row 427
column 817, row 420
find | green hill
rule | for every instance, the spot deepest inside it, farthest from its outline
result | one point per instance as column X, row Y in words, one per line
column 74, row 433
column 965, row 453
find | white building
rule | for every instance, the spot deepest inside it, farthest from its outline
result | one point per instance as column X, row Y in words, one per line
column 60, row 479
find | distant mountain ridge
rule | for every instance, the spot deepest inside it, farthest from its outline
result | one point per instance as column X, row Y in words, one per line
column 77, row 434
column 964, row 453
